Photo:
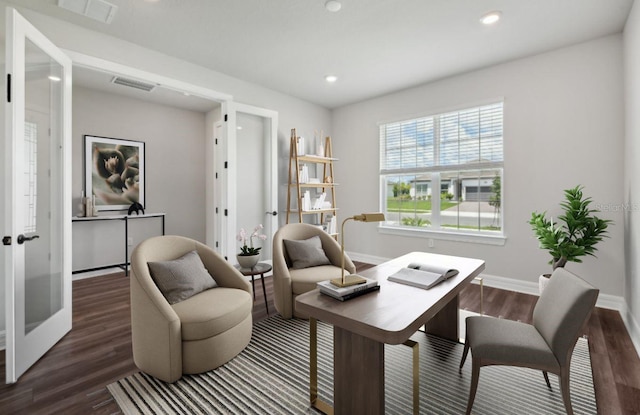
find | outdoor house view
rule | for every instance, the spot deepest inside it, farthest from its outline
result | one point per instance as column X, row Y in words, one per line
column 444, row 172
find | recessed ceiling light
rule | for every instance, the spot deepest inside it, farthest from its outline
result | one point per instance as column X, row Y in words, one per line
column 54, row 78
column 491, row 18
column 331, row 78
column 333, row 6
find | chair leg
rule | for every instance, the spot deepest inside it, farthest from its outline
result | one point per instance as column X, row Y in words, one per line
column 475, row 374
column 564, row 386
column 546, row 378
column 464, row 353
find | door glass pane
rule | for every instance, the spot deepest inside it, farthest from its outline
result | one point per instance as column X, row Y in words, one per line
column 42, row 186
column 254, row 180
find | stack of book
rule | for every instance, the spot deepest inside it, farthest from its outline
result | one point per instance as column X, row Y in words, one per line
column 346, row 293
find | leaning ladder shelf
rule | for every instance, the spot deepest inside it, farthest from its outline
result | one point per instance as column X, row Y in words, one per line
column 326, row 183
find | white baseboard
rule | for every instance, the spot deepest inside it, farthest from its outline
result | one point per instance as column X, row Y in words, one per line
column 632, row 327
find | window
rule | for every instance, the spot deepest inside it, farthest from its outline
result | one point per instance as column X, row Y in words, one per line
column 30, row 175
column 461, row 154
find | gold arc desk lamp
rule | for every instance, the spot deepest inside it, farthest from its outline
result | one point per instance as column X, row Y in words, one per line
column 353, row 279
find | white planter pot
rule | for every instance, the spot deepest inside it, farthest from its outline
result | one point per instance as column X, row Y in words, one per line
column 543, row 280
column 248, row 261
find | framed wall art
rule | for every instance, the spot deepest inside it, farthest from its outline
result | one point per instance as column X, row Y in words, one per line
column 114, row 172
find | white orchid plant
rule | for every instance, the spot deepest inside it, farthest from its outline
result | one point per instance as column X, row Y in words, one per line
column 247, row 247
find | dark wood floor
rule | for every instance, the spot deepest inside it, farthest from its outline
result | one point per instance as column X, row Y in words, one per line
column 71, row 377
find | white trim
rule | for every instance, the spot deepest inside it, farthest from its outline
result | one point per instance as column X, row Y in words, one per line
column 3, row 340
column 477, row 238
column 102, row 65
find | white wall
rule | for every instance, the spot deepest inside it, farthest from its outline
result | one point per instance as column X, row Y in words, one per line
column 632, row 171
column 563, row 126
column 174, row 174
column 174, row 153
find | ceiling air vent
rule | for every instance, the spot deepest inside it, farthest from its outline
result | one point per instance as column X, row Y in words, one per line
column 132, row 83
column 99, row 10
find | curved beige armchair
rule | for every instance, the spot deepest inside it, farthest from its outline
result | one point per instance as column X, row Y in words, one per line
column 194, row 335
column 289, row 282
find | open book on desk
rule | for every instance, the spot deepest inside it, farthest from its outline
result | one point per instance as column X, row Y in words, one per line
column 422, row 275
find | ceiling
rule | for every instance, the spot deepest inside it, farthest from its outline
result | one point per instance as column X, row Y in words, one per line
column 373, row 46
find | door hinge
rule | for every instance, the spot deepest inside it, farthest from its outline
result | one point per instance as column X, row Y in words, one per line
column 216, row 210
column 8, row 87
column 6, row 240
column 226, row 164
column 226, row 212
column 216, row 175
column 226, row 117
column 216, row 244
column 216, row 141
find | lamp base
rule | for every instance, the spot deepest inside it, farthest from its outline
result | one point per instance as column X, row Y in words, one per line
column 349, row 280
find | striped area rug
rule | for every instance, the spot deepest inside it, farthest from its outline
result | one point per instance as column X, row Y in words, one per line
column 271, row 376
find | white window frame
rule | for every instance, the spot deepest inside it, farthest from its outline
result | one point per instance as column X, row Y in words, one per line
column 435, row 231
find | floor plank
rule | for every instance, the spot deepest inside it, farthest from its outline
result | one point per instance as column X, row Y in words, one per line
column 71, row 377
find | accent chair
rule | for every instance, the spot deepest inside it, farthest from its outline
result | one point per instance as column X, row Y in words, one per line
column 300, row 261
column 173, row 335
column 558, row 318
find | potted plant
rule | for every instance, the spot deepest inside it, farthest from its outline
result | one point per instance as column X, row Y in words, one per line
column 249, row 255
column 574, row 235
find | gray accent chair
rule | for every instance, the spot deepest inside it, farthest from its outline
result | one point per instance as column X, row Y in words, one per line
column 194, row 335
column 558, row 318
column 288, row 282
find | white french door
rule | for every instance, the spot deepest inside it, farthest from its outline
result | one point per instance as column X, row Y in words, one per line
column 247, row 163
column 36, row 189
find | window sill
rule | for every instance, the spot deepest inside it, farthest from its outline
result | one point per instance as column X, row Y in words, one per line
column 484, row 239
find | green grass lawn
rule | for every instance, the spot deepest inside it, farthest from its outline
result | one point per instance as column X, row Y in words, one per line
column 395, row 205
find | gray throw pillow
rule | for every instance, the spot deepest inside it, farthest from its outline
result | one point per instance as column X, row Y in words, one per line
column 181, row 278
column 306, row 253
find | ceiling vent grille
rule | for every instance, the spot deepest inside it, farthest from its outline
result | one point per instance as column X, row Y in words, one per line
column 132, row 83
column 99, row 10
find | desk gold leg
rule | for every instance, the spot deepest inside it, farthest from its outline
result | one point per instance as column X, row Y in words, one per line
column 416, row 374
column 316, row 402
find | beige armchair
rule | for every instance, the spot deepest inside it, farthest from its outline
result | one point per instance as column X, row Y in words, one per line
column 289, row 282
column 197, row 334
column 547, row 345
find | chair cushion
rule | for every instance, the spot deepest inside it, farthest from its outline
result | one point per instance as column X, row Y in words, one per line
column 212, row 312
column 305, row 280
column 508, row 342
column 181, row 278
column 306, row 253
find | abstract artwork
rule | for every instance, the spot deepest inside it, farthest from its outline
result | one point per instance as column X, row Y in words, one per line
column 114, row 172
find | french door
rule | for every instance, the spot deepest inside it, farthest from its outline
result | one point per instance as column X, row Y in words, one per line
column 245, row 166
column 36, row 189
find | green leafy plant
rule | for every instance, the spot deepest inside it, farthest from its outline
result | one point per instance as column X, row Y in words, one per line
column 576, row 233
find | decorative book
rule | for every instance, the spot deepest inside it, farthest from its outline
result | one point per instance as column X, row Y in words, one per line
column 345, row 293
column 422, row 275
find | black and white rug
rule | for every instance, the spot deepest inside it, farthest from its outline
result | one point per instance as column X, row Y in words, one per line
column 271, row 376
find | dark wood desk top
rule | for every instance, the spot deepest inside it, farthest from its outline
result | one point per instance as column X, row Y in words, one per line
column 394, row 313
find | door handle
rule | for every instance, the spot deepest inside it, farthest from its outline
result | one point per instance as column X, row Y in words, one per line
column 22, row 239
column 274, row 213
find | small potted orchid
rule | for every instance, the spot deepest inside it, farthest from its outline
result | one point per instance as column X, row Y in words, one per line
column 249, row 255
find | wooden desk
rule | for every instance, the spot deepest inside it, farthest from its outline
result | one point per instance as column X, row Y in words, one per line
column 364, row 324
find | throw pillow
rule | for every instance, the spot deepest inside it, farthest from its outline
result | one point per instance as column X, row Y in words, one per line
column 181, row 278
column 306, row 253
